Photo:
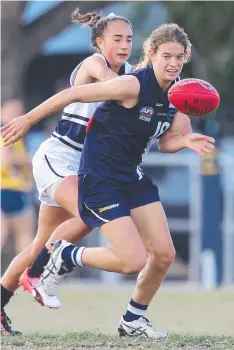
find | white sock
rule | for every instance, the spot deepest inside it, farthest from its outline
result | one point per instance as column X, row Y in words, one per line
column 77, row 256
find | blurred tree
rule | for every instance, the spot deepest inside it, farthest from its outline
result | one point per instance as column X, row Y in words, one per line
column 145, row 16
column 21, row 42
column 139, row 13
column 211, row 31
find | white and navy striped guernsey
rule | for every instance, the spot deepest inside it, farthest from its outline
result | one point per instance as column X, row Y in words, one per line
column 71, row 129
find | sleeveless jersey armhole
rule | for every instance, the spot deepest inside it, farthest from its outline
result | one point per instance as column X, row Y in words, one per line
column 142, row 83
column 75, row 71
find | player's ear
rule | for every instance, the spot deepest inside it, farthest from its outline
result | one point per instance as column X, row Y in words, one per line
column 151, row 54
column 99, row 42
column 187, row 55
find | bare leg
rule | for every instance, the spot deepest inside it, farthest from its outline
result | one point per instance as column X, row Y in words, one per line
column 49, row 219
column 24, row 228
column 70, row 230
column 127, row 254
column 152, row 226
column 5, row 229
column 66, row 196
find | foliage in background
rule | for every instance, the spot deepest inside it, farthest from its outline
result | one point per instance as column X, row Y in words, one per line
column 211, row 30
column 22, row 42
column 209, row 24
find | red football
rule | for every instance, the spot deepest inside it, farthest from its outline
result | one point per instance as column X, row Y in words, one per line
column 194, row 97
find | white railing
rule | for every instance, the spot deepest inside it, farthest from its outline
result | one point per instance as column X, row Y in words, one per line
column 193, row 223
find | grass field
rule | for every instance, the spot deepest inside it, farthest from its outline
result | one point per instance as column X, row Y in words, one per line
column 86, row 340
column 90, row 314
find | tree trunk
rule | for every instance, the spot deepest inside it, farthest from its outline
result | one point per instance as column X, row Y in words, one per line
column 20, row 43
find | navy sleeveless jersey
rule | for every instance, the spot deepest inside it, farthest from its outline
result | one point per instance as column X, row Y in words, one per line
column 118, row 137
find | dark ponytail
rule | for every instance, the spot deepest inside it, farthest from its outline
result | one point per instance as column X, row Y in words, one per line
column 96, row 22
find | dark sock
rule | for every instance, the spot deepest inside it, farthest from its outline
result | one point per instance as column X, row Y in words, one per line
column 37, row 266
column 134, row 311
column 5, row 296
column 67, row 256
column 72, row 256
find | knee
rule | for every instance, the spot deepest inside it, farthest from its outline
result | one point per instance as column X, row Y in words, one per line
column 162, row 260
column 135, row 266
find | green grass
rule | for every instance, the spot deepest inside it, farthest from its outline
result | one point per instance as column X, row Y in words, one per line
column 90, row 315
column 88, row 340
column 96, row 308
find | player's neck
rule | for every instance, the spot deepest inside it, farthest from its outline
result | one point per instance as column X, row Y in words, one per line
column 164, row 84
column 115, row 68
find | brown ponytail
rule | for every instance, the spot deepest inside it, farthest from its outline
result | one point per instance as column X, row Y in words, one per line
column 89, row 18
column 96, row 22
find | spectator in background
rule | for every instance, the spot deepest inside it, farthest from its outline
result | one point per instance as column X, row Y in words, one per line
column 17, row 214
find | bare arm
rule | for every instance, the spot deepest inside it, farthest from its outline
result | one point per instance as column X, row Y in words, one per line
column 124, row 89
column 95, row 67
column 180, row 136
column 173, row 139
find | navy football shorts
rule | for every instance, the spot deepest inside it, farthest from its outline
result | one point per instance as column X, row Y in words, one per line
column 101, row 201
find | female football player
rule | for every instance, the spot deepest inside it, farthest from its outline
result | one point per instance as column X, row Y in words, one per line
column 56, row 163
column 114, row 194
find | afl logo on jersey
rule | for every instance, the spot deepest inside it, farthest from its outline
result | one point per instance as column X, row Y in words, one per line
column 146, row 113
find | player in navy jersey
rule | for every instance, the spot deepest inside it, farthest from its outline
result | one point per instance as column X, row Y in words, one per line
column 113, row 193
column 56, row 163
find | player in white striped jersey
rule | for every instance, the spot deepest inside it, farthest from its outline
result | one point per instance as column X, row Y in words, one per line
column 56, row 163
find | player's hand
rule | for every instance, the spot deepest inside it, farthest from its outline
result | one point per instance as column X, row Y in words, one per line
column 199, row 143
column 15, row 130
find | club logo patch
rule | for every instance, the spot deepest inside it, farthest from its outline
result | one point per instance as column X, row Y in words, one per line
column 146, row 113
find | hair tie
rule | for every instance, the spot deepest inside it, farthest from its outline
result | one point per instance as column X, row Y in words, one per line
column 112, row 14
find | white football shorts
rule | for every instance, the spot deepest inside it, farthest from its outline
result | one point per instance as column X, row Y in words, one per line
column 52, row 163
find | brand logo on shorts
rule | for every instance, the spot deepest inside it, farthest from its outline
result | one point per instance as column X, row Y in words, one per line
column 108, row 207
column 71, row 167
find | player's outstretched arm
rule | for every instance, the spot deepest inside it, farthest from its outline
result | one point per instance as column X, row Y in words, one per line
column 124, row 89
column 180, row 136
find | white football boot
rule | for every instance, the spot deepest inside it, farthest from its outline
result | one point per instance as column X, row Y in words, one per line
column 54, row 272
column 139, row 328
